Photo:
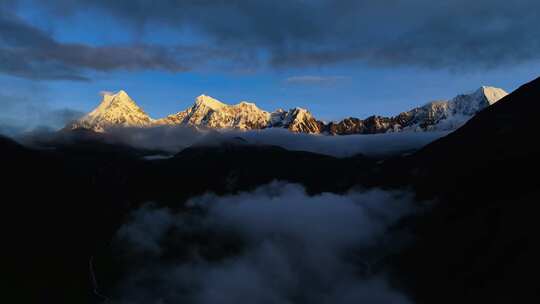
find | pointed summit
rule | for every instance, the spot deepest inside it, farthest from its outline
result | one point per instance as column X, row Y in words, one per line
column 492, row 94
column 114, row 110
column 118, row 109
column 209, row 102
column 470, row 104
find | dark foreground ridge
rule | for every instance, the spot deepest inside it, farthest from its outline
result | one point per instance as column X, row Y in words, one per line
column 479, row 245
column 63, row 204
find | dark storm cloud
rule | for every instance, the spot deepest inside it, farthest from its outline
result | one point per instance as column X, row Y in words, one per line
column 418, row 32
column 29, row 52
column 455, row 34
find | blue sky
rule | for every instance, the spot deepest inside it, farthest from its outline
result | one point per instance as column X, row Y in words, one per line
column 164, row 55
column 359, row 93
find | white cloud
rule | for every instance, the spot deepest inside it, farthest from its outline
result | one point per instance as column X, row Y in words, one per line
column 338, row 146
column 315, row 80
column 174, row 139
column 275, row 244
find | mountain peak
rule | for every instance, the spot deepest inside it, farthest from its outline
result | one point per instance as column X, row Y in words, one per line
column 492, row 94
column 116, row 98
column 113, row 94
column 121, row 93
column 246, row 103
column 299, row 109
column 116, row 109
column 209, row 102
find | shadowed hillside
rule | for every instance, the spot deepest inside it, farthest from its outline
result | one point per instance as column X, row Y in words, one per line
column 62, row 205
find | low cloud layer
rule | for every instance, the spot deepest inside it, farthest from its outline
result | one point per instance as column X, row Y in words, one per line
column 174, row 139
column 273, row 245
column 343, row 146
column 171, row 140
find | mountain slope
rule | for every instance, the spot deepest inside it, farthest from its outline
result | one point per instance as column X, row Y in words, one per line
column 501, row 132
column 450, row 115
column 479, row 243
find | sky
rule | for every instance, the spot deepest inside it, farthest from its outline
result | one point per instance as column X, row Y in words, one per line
column 338, row 58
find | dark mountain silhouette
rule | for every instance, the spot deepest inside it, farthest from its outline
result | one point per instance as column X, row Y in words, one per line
column 479, row 243
column 62, row 205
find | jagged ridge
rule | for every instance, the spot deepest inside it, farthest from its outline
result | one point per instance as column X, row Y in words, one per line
column 120, row 110
column 434, row 116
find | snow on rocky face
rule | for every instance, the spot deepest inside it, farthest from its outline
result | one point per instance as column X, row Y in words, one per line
column 212, row 113
column 301, row 121
column 434, row 116
column 452, row 114
column 120, row 110
column 114, row 110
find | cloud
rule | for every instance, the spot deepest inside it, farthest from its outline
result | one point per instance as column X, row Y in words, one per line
column 338, row 146
column 246, row 34
column 147, row 227
column 315, row 80
column 105, row 93
column 23, row 112
column 165, row 138
column 175, row 139
column 273, row 245
column 421, row 33
column 27, row 51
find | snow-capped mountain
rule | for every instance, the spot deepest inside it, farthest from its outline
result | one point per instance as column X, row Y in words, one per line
column 120, row 110
column 296, row 120
column 450, row 115
column 114, row 110
column 212, row 113
column 434, row 116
